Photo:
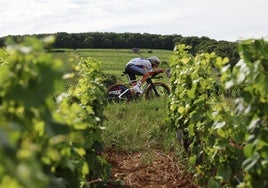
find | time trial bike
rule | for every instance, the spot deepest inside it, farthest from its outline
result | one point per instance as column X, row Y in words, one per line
column 151, row 89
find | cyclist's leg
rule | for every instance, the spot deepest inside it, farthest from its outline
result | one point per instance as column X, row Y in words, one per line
column 132, row 71
column 136, row 70
column 131, row 75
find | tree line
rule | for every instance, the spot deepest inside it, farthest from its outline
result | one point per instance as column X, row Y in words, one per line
column 138, row 40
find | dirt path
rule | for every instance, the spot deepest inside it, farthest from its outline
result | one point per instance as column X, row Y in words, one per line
column 154, row 170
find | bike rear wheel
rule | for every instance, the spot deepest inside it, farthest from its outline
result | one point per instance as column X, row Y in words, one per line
column 161, row 90
column 116, row 90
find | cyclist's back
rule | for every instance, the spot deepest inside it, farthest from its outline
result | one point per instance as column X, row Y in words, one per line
column 141, row 63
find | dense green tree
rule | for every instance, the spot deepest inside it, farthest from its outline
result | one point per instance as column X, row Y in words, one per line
column 138, row 40
column 88, row 41
column 63, row 40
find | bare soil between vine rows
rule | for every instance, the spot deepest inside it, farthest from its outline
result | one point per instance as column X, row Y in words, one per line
column 158, row 170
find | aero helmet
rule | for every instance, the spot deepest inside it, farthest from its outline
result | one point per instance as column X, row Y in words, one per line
column 154, row 60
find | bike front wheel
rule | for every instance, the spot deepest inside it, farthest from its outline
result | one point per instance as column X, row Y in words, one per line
column 157, row 89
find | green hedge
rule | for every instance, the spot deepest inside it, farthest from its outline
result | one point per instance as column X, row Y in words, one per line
column 50, row 135
column 224, row 137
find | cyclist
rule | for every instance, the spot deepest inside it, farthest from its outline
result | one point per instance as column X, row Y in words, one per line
column 144, row 67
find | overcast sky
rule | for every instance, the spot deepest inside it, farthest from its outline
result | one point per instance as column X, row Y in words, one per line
column 229, row 20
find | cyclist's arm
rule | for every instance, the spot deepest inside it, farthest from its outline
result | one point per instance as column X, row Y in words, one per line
column 157, row 71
